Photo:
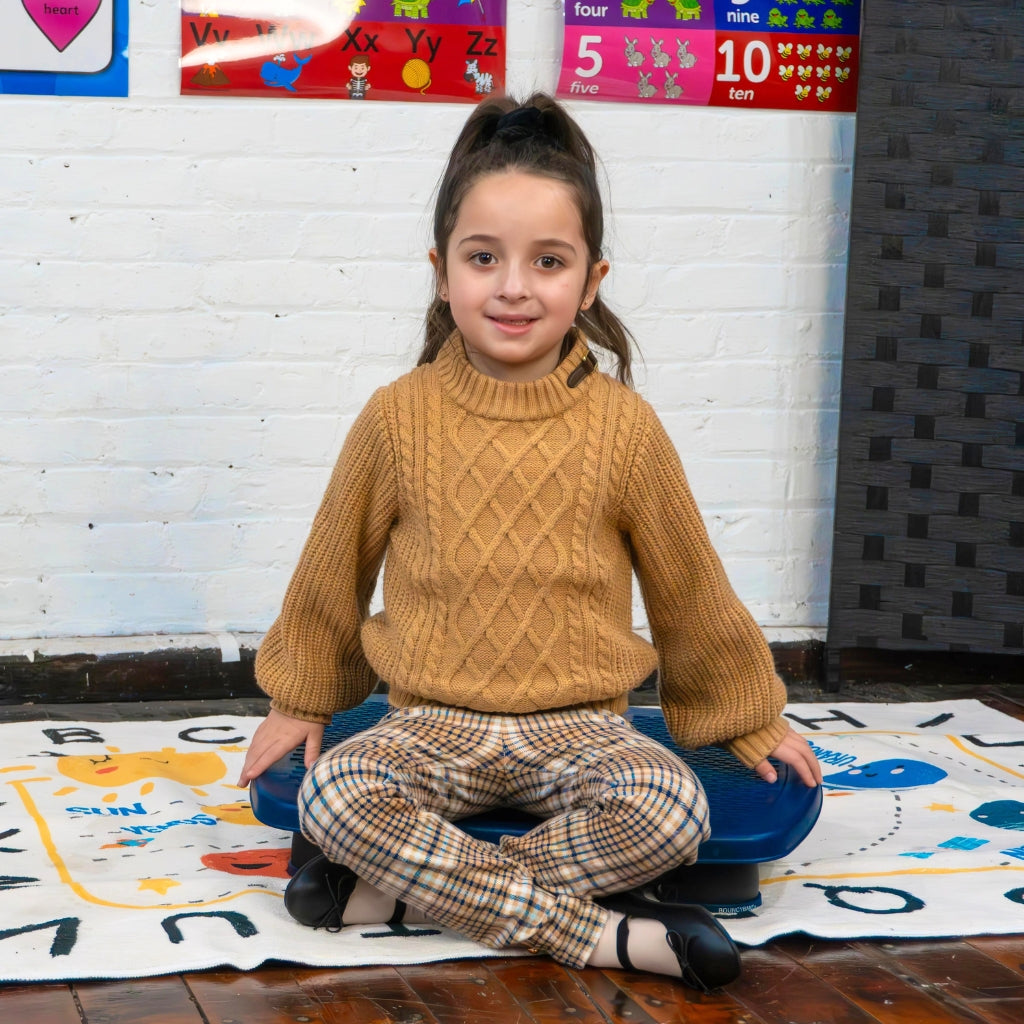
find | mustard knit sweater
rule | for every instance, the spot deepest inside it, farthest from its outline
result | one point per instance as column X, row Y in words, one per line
column 512, row 517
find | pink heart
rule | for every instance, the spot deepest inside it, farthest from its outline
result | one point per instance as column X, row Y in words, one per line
column 61, row 21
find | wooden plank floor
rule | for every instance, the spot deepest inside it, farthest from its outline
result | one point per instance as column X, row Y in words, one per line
column 794, row 980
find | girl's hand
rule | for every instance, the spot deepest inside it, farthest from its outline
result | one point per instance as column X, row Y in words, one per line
column 277, row 735
column 795, row 751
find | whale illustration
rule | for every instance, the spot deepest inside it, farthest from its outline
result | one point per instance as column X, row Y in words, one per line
column 276, row 76
column 1001, row 814
column 890, row 774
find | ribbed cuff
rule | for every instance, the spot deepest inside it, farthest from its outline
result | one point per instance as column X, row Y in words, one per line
column 753, row 748
column 300, row 714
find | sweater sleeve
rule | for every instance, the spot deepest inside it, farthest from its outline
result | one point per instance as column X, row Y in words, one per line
column 718, row 680
column 311, row 661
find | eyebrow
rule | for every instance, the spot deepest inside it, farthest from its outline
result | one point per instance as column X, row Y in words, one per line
column 543, row 243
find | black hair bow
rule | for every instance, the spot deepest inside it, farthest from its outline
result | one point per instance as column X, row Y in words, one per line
column 520, row 125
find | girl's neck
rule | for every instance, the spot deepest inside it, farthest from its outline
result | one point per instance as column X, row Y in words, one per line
column 492, row 398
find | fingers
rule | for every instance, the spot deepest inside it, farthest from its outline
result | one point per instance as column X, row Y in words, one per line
column 795, row 751
column 258, row 760
column 312, row 750
column 274, row 738
column 807, row 765
column 806, row 773
column 277, row 736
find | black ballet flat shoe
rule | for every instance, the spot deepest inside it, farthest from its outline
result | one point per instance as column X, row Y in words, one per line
column 319, row 891
column 708, row 958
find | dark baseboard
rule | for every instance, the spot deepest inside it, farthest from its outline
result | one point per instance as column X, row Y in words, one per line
column 201, row 674
column 172, row 674
column 916, row 668
column 801, row 661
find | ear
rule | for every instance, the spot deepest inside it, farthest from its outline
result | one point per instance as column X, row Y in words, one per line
column 440, row 284
column 594, row 279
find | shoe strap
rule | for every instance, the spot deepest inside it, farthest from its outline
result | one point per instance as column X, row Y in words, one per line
column 622, row 944
column 334, row 918
column 399, row 914
column 680, row 947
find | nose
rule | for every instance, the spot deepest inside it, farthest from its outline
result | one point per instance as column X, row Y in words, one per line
column 512, row 286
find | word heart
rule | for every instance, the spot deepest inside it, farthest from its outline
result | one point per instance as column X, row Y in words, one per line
column 62, row 23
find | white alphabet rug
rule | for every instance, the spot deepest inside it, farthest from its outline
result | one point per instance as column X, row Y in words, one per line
column 127, row 851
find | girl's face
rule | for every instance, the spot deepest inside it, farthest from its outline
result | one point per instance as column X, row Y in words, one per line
column 516, row 272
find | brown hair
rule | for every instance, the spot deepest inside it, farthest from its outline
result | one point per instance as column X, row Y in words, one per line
column 535, row 137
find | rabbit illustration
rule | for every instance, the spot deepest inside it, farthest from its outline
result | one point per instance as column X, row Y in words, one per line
column 685, row 58
column 658, row 55
column 634, row 58
column 644, row 88
column 672, row 91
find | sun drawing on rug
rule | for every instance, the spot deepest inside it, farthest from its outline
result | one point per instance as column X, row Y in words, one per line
column 137, row 816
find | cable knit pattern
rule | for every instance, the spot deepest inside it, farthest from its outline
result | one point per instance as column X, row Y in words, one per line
column 512, row 515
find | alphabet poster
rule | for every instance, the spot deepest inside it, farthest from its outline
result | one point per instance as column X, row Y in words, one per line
column 781, row 54
column 66, row 48
column 357, row 50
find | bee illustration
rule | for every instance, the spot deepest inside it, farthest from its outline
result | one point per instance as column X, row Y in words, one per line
column 824, row 52
column 823, row 93
column 785, row 72
column 803, row 91
column 843, row 52
column 785, row 49
column 842, row 74
column 804, row 72
column 825, row 72
column 803, row 51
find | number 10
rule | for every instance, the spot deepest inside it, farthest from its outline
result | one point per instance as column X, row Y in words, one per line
column 755, row 46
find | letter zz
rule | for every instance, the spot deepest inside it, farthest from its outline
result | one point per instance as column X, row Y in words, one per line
column 474, row 47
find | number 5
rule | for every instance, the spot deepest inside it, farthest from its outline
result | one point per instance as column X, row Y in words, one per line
column 597, row 61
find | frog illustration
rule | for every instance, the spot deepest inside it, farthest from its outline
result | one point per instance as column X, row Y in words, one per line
column 802, row 20
column 776, row 19
column 831, row 20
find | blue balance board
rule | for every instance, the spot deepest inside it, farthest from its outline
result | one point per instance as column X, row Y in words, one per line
column 752, row 821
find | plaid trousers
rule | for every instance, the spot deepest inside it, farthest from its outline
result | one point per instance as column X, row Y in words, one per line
column 619, row 809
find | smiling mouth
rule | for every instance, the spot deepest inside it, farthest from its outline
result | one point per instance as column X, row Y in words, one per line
column 513, row 321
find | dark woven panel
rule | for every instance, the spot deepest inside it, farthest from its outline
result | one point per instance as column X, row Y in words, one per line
column 929, row 544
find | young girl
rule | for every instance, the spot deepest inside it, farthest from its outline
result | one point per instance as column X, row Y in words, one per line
column 514, row 489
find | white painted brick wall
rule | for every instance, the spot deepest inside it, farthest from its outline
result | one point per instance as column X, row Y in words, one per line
column 197, row 295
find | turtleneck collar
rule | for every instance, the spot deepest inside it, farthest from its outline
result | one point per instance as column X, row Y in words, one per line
column 509, row 400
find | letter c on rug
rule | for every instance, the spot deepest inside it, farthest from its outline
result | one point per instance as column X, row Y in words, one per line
column 242, row 925
column 191, row 735
column 910, row 902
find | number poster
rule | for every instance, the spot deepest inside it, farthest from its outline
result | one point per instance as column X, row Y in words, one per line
column 450, row 50
column 780, row 54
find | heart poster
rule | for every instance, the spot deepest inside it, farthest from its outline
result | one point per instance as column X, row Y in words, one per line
column 64, row 48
